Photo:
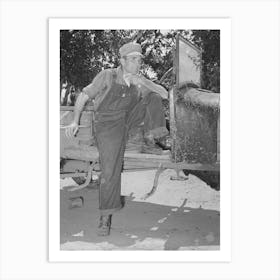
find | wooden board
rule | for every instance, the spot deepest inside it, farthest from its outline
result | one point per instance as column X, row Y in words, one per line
column 90, row 153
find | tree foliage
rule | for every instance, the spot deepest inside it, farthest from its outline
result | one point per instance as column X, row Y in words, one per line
column 84, row 53
column 209, row 42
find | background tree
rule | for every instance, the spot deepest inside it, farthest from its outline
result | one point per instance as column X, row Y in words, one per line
column 209, row 42
column 84, row 53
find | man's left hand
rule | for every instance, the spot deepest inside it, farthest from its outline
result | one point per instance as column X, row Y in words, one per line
column 137, row 80
column 142, row 83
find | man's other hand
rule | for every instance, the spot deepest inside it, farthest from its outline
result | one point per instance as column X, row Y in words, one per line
column 71, row 130
column 137, row 80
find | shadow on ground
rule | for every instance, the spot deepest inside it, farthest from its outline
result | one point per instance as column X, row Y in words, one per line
column 138, row 226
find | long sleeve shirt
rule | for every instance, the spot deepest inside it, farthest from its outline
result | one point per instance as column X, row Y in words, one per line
column 101, row 84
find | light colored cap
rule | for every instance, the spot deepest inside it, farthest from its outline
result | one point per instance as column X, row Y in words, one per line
column 131, row 49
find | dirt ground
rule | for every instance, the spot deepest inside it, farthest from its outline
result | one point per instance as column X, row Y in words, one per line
column 180, row 215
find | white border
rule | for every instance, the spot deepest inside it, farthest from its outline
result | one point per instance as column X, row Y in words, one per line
column 255, row 139
column 137, row 256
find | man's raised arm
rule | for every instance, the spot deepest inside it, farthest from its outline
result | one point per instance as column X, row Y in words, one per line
column 156, row 88
column 148, row 85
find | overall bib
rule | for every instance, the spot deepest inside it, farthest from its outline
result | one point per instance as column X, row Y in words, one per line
column 122, row 108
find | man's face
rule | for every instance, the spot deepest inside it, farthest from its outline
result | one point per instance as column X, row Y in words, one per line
column 132, row 63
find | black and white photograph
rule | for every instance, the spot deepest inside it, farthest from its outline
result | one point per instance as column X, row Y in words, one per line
column 139, row 139
column 139, row 152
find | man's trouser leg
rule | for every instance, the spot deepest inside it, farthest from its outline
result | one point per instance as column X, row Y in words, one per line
column 111, row 132
column 150, row 110
column 110, row 135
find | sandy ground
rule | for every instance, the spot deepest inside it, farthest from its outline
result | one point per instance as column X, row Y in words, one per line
column 180, row 215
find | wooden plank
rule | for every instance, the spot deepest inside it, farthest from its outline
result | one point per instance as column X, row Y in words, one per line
column 91, row 153
column 72, row 108
column 147, row 162
column 172, row 122
column 80, row 126
column 79, row 152
column 177, row 165
column 135, row 169
column 131, row 155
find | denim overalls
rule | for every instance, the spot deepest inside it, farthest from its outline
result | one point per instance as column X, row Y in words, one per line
column 122, row 109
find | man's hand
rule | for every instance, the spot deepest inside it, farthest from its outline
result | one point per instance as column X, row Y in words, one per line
column 141, row 82
column 137, row 80
column 71, row 130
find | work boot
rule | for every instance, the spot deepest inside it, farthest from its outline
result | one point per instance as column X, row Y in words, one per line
column 104, row 225
column 164, row 143
column 150, row 146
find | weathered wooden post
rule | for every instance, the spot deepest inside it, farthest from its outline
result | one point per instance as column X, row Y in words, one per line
column 172, row 100
column 172, row 113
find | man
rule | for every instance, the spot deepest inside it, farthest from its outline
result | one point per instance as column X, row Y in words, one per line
column 122, row 99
